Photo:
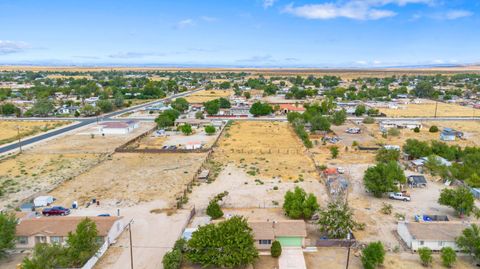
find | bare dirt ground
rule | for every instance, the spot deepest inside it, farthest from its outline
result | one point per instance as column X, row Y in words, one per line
column 427, row 109
column 265, row 150
column 336, row 258
column 46, row 165
column 177, row 139
column 9, row 129
column 250, row 192
column 130, row 178
column 208, row 95
column 12, row 261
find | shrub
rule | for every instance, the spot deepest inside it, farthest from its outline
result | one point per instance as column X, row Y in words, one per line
column 368, row 120
column 334, row 152
column 425, row 256
column 373, row 255
column 172, row 259
column 393, row 132
column 300, row 205
column 416, row 130
column 214, row 210
column 448, row 256
column 210, row 129
column 386, row 209
column 276, row 249
column 433, row 129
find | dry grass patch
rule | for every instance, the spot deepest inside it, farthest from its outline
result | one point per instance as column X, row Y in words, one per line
column 133, row 178
column 208, row 95
column 266, row 149
column 9, row 132
column 427, row 109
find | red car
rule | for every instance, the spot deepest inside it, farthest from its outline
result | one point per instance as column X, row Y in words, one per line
column 56, row 211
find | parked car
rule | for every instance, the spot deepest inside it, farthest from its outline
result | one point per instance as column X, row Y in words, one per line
column 399, row 196
column 55, row 211
column 341, row 170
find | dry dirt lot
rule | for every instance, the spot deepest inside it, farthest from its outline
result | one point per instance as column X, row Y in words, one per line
column 471, row 130
column 46, row 165
column 9, row 132
column 427, row 109
column 207, row 95
column 131, row 178
column 265, row 150
column 176, row 139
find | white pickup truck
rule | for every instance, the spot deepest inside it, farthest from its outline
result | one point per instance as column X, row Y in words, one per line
column 399, row 196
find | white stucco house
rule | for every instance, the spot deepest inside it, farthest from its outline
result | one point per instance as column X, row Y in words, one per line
column 112, row 127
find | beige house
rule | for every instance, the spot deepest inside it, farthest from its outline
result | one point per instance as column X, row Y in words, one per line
column 31, row 231
column 290, row 233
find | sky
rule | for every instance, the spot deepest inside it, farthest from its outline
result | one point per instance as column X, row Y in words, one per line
column 243, row 33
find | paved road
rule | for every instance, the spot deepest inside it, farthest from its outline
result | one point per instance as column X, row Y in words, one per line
column 83, row 122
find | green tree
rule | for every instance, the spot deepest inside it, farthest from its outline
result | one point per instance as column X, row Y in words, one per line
column 82, row 244
column 460, row 199
column 212, row 107
column 180, row 104
column 417, row 149
column 214, row 210
column 8, row 109
column 247, row 95
column 210, row 129
column 260, row 109
column 474, row 180
column 424, row 89
column 469, row 241
column 360, row 110
column 320, row 122
column 42, row 108
column 199, row 115
column 299, row 205
column 8, row 224
column 119, row 100
column 46, row 256
column 224, row 103
column 89, row 110
column 167, row 118
column 105, row 105
column 337, row 220
column 339, row 117
column 373, row 255
column 334, row 152
column 186, row 129
column 276, row 249
column 433, row 129
column 385, row 155
column 425, row 256
column 449, row 257
column 172, row 259
column 228, row 244
column 383, row 178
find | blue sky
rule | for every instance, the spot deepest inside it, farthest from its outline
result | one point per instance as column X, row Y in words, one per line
column 283, row 33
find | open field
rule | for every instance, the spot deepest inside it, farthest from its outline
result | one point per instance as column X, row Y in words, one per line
column 132, row 178
column 266, row 150
column 427, row 109
column 207, row 95
column 44, row 166
column 9, row 131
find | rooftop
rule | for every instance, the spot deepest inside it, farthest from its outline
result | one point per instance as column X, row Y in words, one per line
column 436, row 231
column 272, row 229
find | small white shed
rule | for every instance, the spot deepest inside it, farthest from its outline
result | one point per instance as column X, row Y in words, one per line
column 43, row 201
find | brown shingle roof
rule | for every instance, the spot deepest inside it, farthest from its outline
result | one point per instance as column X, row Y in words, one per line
column 61, row 226
column 436, row 231
column 270, row 230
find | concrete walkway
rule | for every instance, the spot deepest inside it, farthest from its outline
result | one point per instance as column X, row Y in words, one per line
column 292, row 258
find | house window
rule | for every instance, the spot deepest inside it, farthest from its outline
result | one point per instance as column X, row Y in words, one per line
column 56, row 239
column 440, row 244
column 421, row 243
column 23, row 240
column 265, row 242
column 40, row 239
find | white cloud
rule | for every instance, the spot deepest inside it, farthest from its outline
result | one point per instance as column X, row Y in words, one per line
column 361, row 62
column 184, row 23
column 9, row 47
column 209, row 19
column 351, row 9
column 131, row 55
column 258, row 59
column 268, row 3
column 457, row 14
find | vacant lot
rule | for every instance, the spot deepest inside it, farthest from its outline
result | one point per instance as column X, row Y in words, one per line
column 129, row 179
column 427, row 109
column 207, row 95
column 265, row 150
column 43, row 167
column 176, row 139
column 9, row 129
column 471, row 131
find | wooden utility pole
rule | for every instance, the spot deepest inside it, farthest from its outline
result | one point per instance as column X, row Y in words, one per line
column 131, row 247
column 19, row 138
column 436, row 105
